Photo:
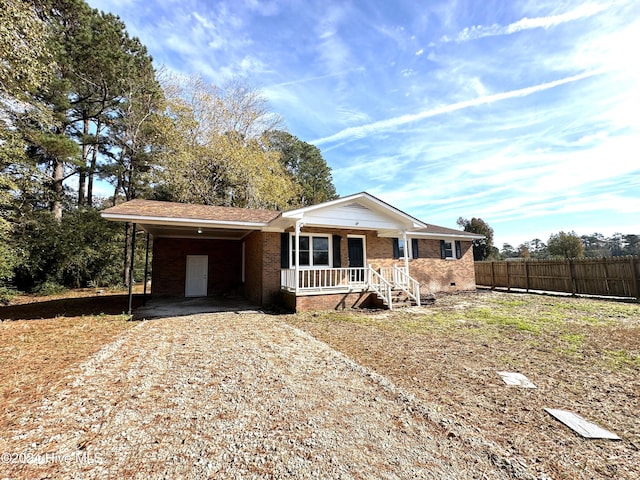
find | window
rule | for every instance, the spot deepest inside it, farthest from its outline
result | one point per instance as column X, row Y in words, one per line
column 314, row 250
column 399, row 246
column 321, row 251
column 304, row 250
column 450, row 249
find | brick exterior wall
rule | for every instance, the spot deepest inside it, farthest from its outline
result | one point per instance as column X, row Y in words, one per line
column 253, row 267
column 433, row 273
column 170, row 265
column 262, row 267
column 271, row 269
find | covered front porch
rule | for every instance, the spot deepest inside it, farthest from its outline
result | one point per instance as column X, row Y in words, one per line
column 387, row 283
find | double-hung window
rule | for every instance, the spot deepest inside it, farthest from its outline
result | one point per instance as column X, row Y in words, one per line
column 450, row 250
column 314, row 250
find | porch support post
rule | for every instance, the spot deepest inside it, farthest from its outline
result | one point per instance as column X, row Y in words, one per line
column 133, row 251
column 406, row 251
column 297, row 256
column 146, row 271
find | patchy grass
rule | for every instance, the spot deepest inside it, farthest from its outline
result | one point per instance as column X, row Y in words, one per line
column 583, row 354
column 40, row 348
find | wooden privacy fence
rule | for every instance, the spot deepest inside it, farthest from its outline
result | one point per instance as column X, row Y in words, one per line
column 609, row 276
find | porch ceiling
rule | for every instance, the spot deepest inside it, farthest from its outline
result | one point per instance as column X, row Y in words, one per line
column 208, row 232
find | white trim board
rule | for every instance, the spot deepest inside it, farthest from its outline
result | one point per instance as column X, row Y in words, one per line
column 581, row 426
column 516, row 379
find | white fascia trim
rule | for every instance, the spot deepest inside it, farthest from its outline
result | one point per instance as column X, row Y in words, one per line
column 185, row 222
column 445, row 236
column 299, row 213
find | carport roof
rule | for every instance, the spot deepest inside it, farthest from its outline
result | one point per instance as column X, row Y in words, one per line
column 183, row 220
column 149, row 209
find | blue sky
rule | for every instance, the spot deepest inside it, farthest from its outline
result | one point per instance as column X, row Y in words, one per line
column 523, row 113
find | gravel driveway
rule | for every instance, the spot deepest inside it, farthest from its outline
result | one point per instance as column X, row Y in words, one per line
column 240, row 396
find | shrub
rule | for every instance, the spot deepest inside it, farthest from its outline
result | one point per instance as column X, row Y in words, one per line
column 6, row 294
column 49, row 288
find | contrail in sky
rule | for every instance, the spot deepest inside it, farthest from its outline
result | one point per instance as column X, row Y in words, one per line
column 374, row 127
column 481, row 31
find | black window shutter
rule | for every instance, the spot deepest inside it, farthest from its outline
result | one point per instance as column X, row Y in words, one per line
column 284, row 250
column 336, row 251
column 443, row 251
column 414, row 248
column 458, row 249
column 396, row 248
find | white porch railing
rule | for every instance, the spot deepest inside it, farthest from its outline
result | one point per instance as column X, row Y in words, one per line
column 382, row 287
column 392, row 274
column 409, row 284
column 346, row 279
column 311, row 279
column 400, row 279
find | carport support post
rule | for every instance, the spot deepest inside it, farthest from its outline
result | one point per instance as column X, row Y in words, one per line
column 133, row 251
column 146, row 271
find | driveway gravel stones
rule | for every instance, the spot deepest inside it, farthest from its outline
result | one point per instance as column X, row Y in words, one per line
column 229, row 395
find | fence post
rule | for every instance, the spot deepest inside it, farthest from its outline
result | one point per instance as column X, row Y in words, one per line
column 526, row 273
column 606, row 275
column 493, row 277
column 572, row 279
column 508, row 278
column 634, row 277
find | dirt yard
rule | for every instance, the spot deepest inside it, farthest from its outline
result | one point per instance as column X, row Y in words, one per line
column 45, row 339
column 426, row 403
column 583, row 355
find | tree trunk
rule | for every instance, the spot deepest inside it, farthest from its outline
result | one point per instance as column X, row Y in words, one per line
column 92, row 166
column 58, row 189
column 82, row 171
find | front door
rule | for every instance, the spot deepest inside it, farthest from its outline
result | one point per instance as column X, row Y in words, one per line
column 356, row 257
column 197, row 276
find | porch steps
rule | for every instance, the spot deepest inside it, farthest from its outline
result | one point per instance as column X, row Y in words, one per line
column 399, row 298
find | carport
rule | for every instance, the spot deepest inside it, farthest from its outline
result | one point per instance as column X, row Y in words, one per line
column 198, row 250
column 180, row 307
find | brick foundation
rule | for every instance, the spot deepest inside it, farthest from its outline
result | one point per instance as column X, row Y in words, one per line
column 336, row 301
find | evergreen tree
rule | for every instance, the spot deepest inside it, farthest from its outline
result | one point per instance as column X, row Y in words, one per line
column 482, row 249
column 305, row 164
column 566, row 245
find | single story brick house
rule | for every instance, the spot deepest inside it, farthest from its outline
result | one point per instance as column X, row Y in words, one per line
column 350, row 252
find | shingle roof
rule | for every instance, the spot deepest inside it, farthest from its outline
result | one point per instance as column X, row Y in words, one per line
column 171, row 210
column 443, row 230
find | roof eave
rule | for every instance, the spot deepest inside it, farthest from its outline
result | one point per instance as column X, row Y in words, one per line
column 453, row 236
column 186, row 222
